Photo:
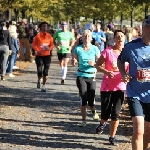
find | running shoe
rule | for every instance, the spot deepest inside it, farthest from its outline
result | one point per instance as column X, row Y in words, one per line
column 11, row 75
column 95, row 116
column 100, row 128
column 38, row 84
column 82, row 124
column 43, row 89
column 62, row 81
column 2, row 78
column 111, row 141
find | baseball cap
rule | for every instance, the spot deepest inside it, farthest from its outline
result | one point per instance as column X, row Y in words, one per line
column 64, row 23
column 147, row 20
column 109, row 26
column 88, row 26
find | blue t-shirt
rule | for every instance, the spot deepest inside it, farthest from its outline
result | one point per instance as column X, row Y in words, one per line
column 95, row 36
column 137, row 54
column 101, row 34
column 83, row 57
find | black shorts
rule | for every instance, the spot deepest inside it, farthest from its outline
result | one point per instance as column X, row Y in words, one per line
column 138, row 108
column 63, row 55
column 111, row 102
column 40, row 62
column 86, row 88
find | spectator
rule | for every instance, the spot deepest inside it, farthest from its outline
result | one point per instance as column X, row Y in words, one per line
column 5, row 46
column 24, row 42
column 15, row 49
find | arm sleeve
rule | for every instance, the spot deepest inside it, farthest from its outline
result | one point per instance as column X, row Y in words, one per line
column 35, row 43
column 51, row 44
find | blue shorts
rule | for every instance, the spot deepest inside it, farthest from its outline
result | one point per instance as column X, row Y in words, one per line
column 138, row 108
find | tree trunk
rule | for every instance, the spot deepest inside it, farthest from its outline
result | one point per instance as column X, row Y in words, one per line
column 146, row 10
column 121, row 20
column 132, row 16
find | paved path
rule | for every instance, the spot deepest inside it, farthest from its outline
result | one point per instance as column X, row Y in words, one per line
column 33, row 120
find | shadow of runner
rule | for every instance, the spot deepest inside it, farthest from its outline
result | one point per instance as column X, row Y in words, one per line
column 38, row 139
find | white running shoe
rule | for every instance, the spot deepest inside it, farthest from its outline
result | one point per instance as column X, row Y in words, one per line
column 11, row 75
column 15, row 67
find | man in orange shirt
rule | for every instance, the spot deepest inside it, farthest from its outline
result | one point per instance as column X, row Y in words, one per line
column 43, row 44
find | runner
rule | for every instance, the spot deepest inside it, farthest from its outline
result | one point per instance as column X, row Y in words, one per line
column 86, row 55
column 43, row 44
column 101, row 35
column 64, row 41
column 137, row 54
column 112, row 88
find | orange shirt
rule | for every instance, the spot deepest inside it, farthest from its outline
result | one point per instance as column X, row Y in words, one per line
column 43, row 44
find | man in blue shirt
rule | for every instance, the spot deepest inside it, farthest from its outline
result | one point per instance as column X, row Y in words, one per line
column 101, row 36
column 137, row 54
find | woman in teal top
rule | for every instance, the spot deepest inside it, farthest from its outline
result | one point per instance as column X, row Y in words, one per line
column 86, row 55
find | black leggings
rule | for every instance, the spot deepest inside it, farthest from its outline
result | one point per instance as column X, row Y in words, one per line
column 86, row 88
column 111, row 103
column 40, row 61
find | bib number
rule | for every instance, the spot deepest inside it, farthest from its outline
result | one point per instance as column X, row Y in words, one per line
column 64, row 43
column 44, row 46
column 143, row 75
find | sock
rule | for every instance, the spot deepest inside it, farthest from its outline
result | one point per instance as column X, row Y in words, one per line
column 64, row 72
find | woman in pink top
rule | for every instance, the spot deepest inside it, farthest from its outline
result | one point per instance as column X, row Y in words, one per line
column 112, row 88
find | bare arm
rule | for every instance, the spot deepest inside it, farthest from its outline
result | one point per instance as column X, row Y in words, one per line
column 125, row 77
column 100, row 63
column 94, row 63
column 103, row 39
column 100, row 67
column 74, row 59
column 71, row 45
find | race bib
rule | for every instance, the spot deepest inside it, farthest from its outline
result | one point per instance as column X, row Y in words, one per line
column 44, row 46
column 64, row 43
column 143, row 75
column 114, row 66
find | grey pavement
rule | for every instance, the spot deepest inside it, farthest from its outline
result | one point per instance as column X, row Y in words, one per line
column 33, row 120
